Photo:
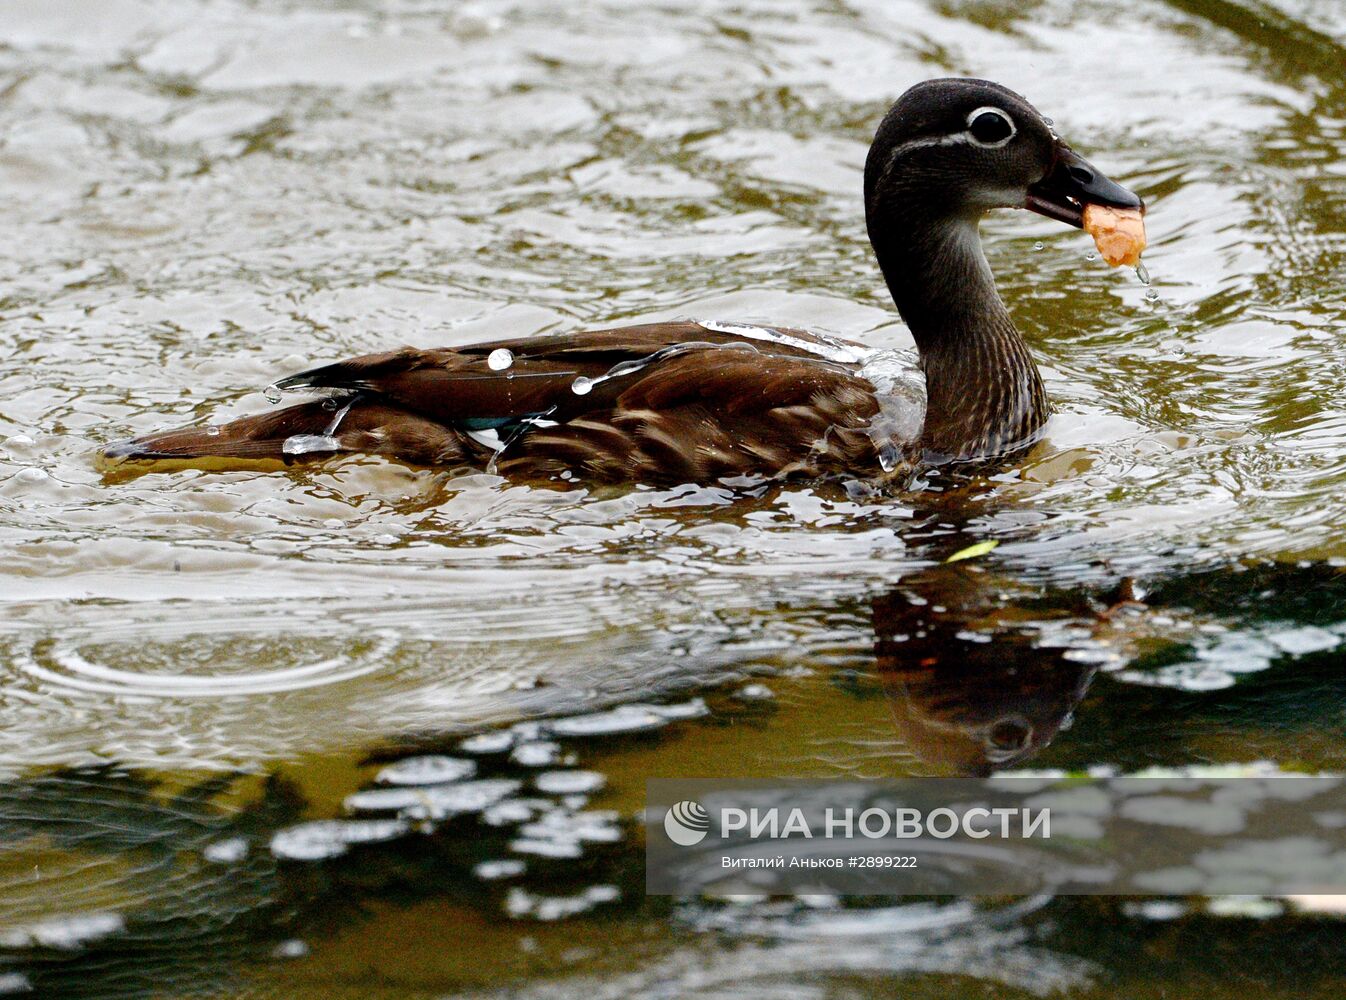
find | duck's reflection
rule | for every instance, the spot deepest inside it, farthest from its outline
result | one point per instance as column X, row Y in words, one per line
column 979, row 680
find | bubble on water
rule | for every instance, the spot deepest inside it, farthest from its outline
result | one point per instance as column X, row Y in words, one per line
column 521, row 903
column 1256, row 907
column 499, row 359
column 512, row 812
column 569, row 782
column 471, row 21
column 1091, row 256
column 226, row 852
column 624, row 719
column 213, row 430
column 581, row 386
column 694, row 709
column 562, row 834
column 1038, row 245
column 488, row 743
column 433, row 801
column 490, row 871
column 444, row 801
column 543, row 753
column 1157, row 909
column 64, row 933
column 31, row 474
column 293, row 948
column 331, row 838
column 273, row 393
column 14, row 982
column 378, row 800
column 430, row 770
column 755, row 692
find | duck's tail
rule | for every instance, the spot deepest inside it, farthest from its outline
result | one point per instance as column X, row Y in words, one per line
column 296, row 430
column 315, row 429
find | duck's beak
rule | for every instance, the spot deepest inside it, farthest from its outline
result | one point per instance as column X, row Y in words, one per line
column 1072, row 183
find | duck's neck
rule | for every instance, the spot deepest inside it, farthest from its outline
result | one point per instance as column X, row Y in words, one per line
column 984, row 394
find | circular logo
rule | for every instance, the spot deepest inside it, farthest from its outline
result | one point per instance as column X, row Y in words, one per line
column 687, row 823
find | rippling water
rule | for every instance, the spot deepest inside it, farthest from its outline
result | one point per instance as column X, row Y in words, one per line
column 202, row 197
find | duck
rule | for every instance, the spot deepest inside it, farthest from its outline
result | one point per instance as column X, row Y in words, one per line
column 702, row 401
column 974, row 684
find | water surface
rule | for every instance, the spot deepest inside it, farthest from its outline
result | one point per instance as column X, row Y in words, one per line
column 202, row 197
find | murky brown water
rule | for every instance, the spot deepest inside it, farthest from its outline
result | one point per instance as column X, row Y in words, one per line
column 201, row 197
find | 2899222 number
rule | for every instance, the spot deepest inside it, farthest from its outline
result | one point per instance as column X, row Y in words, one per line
column 886, row 861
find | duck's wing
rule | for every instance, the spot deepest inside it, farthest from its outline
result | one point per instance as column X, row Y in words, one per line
column 575, row 373
column 684, row 401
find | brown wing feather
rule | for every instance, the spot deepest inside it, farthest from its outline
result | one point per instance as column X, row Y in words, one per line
column 708, row 414
column 767, row 408
column 455, row 384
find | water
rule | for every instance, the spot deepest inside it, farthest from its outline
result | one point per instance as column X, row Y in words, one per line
column 199, row 661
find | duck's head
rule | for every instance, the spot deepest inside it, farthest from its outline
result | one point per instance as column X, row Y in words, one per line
column 956, row 148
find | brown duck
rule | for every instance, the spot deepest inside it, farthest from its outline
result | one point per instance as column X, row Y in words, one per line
column 697, row 401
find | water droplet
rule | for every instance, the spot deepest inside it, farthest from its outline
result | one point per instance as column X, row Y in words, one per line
column 329, row 405
column 499, row 359
column 1151, row 295
column 1047, row 121
column 305, row 444
column 272, row 393
column 581, row 386
column 213, row 430
column 1037, row 245
column 1143, row 273
column 1091, row 256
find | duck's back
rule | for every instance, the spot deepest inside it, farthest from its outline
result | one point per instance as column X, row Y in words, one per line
column 665, row 402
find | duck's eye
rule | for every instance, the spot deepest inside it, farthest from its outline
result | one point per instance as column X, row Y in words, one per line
column 990, row 126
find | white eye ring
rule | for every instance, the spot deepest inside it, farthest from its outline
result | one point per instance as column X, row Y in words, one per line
column 995, row 111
